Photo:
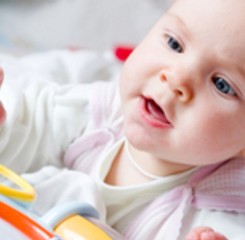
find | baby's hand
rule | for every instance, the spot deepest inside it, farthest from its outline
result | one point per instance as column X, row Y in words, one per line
column 204, row 233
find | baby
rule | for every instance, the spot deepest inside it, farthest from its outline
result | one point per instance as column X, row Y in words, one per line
column 167, row 153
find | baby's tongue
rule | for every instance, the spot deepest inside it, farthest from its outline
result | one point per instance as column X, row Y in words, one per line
column 155, row 110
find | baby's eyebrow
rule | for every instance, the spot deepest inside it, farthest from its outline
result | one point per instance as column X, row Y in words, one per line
column 180, row 22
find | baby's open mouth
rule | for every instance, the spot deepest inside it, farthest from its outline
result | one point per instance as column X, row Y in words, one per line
column 155, row 111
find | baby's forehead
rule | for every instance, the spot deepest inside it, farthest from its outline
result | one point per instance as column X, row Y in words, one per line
column 222, row 21
column 229, row 10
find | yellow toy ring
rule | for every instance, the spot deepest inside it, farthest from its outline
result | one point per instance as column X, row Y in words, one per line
column 26, row 193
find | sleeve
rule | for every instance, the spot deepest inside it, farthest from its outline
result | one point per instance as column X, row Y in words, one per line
column 61, row 188
column 47, row 98
column 42, row 120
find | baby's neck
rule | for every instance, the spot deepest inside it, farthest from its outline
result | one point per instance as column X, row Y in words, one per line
column 141, row 169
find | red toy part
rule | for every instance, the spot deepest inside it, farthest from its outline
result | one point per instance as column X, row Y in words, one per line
column 23, row 223
column 123, row 52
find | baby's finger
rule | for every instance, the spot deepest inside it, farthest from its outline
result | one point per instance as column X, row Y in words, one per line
column 204, row 233
column 210, row 235
column 196, row 233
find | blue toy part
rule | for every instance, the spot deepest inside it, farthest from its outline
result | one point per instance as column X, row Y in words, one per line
column 61, row 212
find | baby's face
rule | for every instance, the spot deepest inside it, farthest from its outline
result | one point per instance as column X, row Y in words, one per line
column 2, row 110
column 183, row 88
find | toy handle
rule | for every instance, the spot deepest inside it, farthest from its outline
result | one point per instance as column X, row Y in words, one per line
column 69, row 222
column 63, row 211
column 24, row 224
column 26, row 193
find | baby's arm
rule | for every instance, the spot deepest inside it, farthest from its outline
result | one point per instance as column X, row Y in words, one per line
column 204, row 233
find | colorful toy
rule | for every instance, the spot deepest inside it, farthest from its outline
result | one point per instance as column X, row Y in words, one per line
column 23, row 223
column 68, row 221
column 26, row 193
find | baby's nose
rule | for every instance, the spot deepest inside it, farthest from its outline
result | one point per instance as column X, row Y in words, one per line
column 179, row 86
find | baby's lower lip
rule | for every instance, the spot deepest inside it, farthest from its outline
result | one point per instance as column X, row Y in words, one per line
column 153, row 114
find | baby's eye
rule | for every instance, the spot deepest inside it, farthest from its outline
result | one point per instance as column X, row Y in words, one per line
column 174, row 44
column 223, row 86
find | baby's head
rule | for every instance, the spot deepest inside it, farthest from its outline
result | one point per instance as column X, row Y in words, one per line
column 183, row 88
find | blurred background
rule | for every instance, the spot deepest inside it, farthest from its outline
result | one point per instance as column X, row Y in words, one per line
column 27, row 25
